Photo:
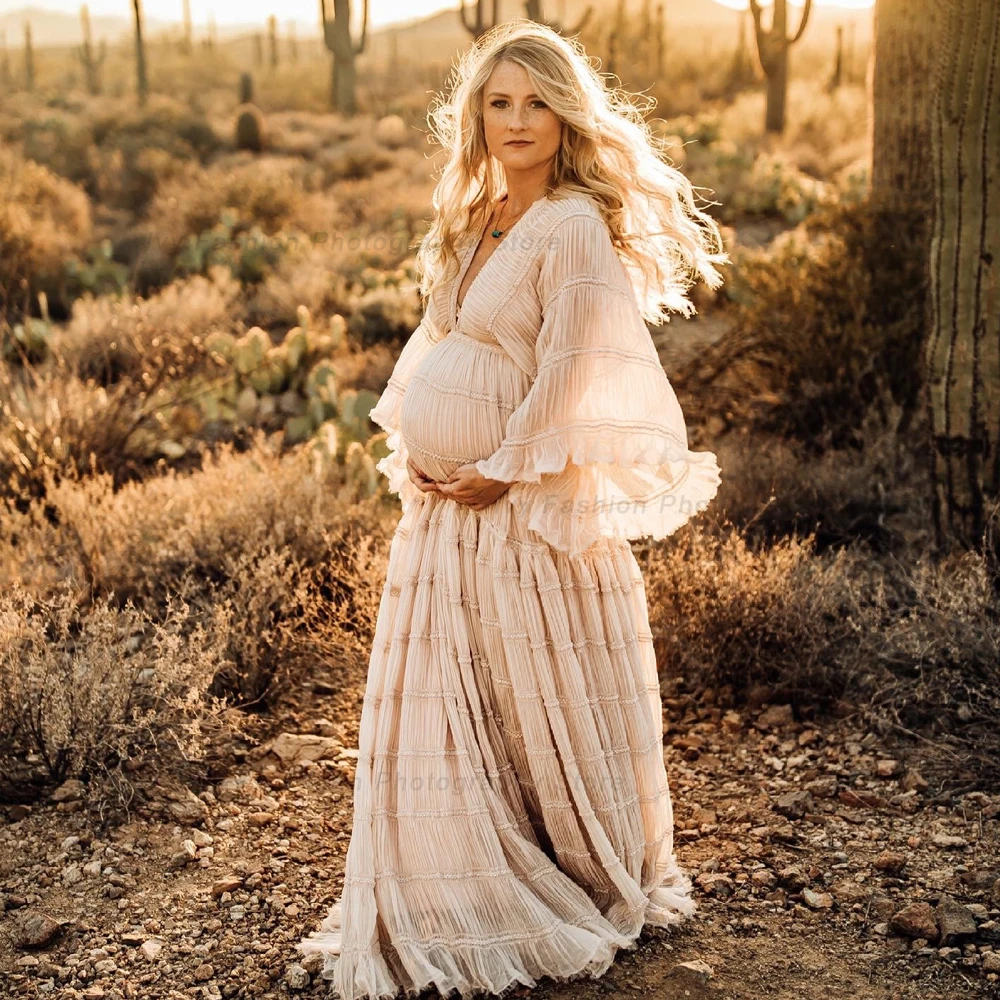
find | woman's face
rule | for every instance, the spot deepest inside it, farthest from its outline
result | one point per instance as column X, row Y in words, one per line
column 513, row 112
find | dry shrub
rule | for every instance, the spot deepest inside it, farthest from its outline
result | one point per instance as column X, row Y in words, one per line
column 108, row 339
column 270, row 192
column 743, row 617
column 273, row 550
column 935, row 631
column 878, row 493
column 90, row 687
column 122, row 365
column 43, row 220
column 812, row 346
column 356, row 158
column 912, row 643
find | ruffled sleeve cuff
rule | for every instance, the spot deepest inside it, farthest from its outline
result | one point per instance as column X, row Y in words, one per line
column 615, row 486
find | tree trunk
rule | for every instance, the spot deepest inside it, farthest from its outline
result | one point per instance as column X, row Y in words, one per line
column 963, row 350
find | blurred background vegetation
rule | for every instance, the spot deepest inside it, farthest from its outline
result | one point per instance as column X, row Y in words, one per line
column 206, row 273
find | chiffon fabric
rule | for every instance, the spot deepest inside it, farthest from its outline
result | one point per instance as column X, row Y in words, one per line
column 512, row 815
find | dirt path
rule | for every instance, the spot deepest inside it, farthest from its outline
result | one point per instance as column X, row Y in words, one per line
column 806, row 842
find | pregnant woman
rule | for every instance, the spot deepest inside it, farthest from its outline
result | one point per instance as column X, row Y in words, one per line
column 512, row 817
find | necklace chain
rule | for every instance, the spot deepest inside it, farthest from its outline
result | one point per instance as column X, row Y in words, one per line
column 497, row 232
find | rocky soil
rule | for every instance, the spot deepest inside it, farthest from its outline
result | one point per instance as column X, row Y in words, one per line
column 824, row 863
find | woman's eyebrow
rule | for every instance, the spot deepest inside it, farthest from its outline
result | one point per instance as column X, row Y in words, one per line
column 496, row 93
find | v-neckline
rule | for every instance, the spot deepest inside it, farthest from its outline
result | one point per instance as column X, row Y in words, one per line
column 456, row 309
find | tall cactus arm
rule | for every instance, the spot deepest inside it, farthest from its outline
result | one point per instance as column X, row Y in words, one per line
column 582, row 23
column 806, row 11
column 360, row 47
column 327, row 26
column 758, row 25
column 470, row 28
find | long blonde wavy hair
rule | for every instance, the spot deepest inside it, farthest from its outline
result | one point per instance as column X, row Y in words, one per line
column 608, row 151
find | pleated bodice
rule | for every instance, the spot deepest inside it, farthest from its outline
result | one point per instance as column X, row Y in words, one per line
column 457, row 404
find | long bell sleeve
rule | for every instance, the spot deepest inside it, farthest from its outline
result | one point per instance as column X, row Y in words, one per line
column 386, row 412
column 598, row 446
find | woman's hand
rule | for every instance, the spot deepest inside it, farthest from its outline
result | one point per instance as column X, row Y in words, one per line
column 419, row 478
column 468, row 486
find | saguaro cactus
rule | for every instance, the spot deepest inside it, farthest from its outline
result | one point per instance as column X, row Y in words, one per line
column 477, row 27
column 29, row 58
column 258, row 49
column 187, row 41
column 337, row 36
column 272, row 40
column 142, row 84
column 772, row 48
column 741, row 72
column 660, row 28
column 963, row 351
column 85, row 53
column 616, row 37
column 293, row 43
column 5, row 76
column 533, row 10
column 837, row 77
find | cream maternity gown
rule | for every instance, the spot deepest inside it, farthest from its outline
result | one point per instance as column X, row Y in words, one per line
column 512, row 817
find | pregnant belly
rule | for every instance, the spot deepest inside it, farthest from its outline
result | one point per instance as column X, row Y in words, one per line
column 457, row 403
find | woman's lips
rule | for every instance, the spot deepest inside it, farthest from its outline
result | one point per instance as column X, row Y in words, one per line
column 518, row 142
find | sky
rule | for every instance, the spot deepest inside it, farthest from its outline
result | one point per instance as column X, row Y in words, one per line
column 381, row 12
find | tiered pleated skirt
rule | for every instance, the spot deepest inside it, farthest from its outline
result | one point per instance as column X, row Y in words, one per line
column 512, row 816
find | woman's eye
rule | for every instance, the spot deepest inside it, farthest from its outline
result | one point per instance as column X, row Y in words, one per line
column 499, row 100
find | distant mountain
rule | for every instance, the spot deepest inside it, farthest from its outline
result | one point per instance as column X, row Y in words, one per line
column 55, row 28
column 443, row 30
column 432, row 34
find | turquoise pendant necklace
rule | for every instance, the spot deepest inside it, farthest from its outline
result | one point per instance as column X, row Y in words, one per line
column 498, row 232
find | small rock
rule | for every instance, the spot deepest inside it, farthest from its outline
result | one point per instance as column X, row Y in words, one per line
column 775, row 717
column 189, row 812
column 228, row 884
column 954, row 921
column 794, row 805
column 823, row 788
column 151, row 949
column 817, row 900
column 34, row 929
column 720, row 886
column 887, row 768
column 947, row 840
column 765, row 879
column 890, row 862
column 292, row 748
column 915, row 921
column 991, row 962
column 240, row 788
column 695, row 972
column 793, row 878
column 261, row 819
column 204, row 972
column 732, row 722
column 70, row 791
column 296, row 978
column 913, row 781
